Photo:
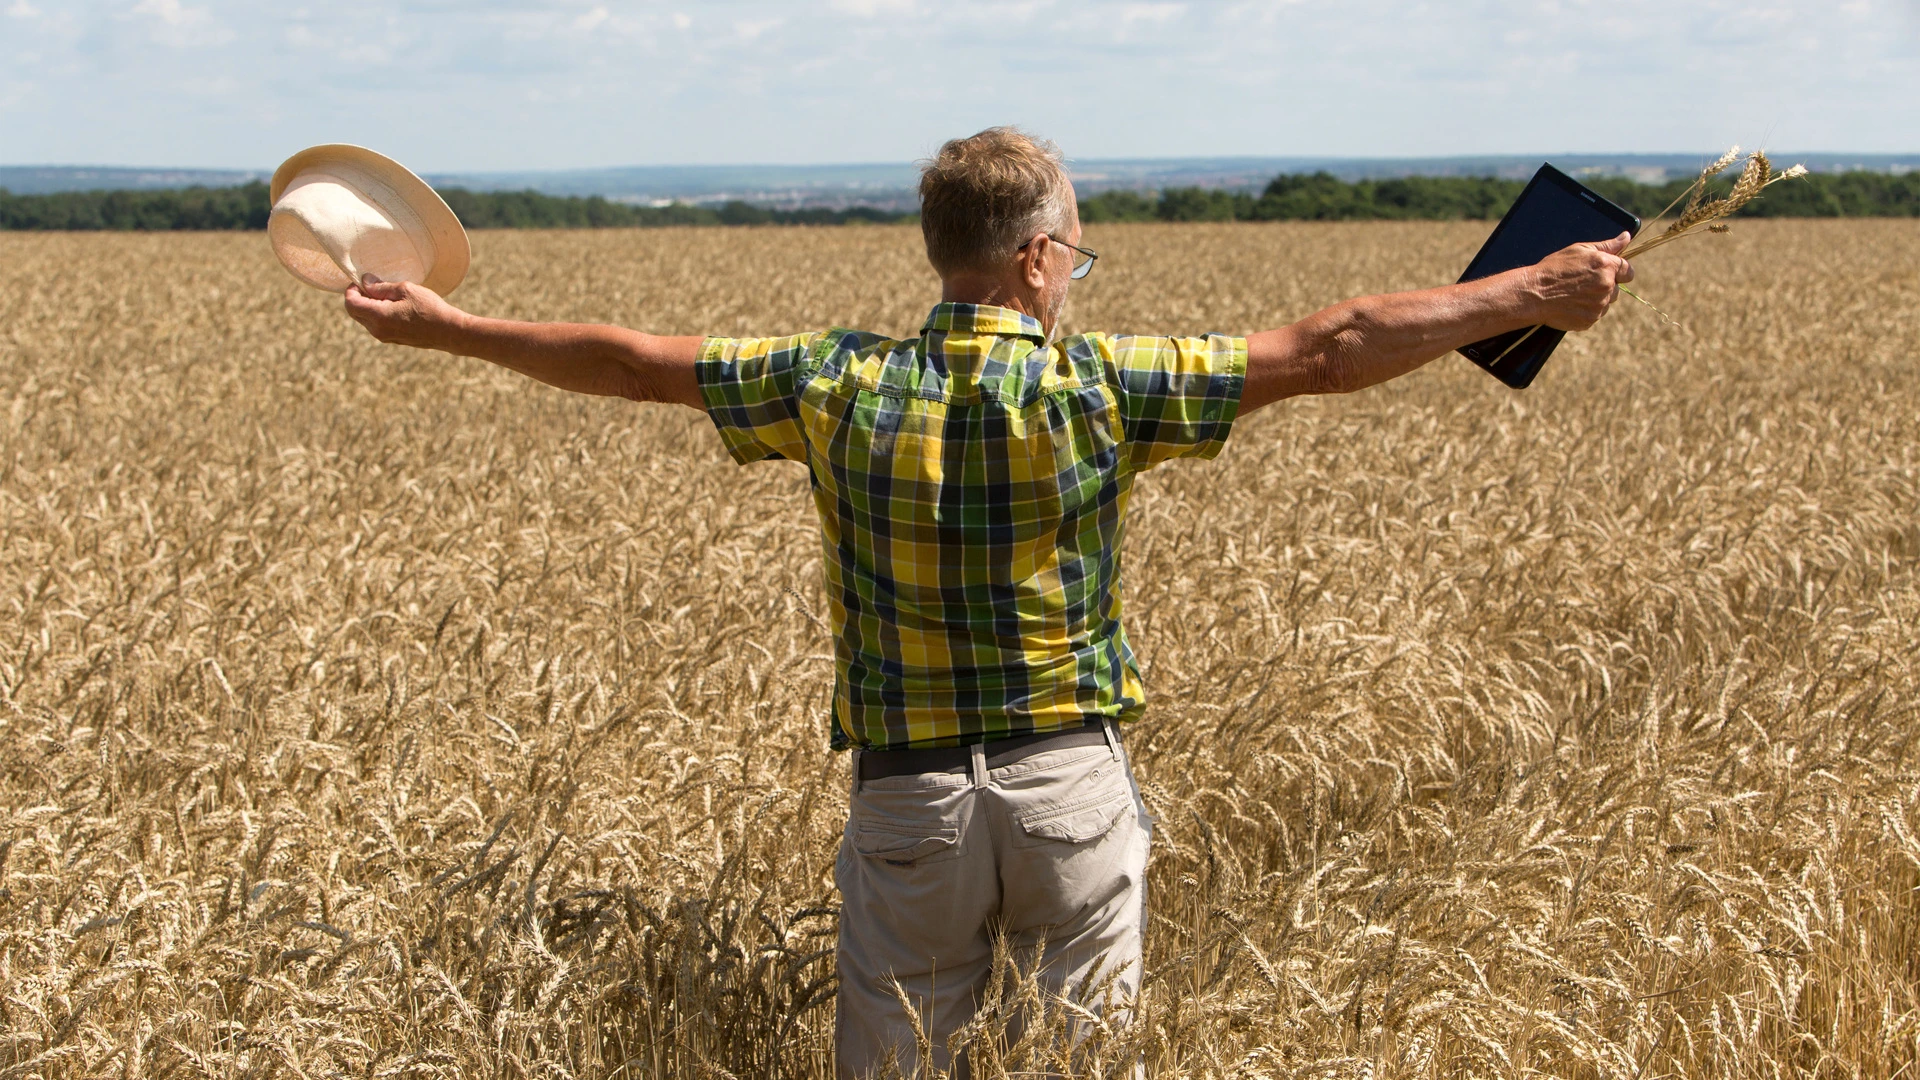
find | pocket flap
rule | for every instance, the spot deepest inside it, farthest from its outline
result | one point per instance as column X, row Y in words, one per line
column 902, row 843
column 1077, row 824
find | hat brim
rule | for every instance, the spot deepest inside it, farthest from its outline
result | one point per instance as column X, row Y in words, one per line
column 451, row 254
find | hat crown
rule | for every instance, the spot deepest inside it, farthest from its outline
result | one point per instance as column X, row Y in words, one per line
column 341, row 212
column 343, row 217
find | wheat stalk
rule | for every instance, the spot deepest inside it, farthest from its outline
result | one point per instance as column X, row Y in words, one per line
column 1704, row 213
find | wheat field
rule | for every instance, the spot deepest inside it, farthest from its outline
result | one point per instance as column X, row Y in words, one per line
column 369, row 712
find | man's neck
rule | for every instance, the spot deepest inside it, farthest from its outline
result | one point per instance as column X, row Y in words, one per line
column 970, row 289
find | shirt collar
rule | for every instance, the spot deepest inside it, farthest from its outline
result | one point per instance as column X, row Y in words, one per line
column 956, row 318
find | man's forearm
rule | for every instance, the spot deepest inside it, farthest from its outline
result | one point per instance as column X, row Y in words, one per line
column 583, row 357
column 1358, row 343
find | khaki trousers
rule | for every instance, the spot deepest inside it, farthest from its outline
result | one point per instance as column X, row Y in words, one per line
column 932, row 866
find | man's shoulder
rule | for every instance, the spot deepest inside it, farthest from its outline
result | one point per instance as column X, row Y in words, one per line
column 834, row 353
column 720, row 347
column 847, row 339
column 1123, row 342
column 843, row 349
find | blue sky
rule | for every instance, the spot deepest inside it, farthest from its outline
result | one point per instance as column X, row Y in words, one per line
column 492, row 85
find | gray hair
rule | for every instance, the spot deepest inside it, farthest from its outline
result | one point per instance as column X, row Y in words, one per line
column 983, row 196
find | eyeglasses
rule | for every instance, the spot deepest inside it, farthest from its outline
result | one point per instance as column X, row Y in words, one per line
column 1082, row 259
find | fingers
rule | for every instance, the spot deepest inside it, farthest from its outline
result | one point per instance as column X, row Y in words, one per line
column 365, row 312
column 373, row 288
column 1616, row 245
column 398, row 312
column 359, row 302
column 372, row 304
column 1624, row 273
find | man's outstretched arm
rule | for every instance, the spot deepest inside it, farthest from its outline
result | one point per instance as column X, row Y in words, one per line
column 1357, row 343
column 586, row 358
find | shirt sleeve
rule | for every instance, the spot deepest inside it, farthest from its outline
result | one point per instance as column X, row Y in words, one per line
column 1178, row 396
column 749, row 386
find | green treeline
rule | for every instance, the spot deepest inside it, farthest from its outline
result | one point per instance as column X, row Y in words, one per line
column 243, row 207
column 1323, row 197
column 246, row 207
column 532, row 210
column 1316, row 197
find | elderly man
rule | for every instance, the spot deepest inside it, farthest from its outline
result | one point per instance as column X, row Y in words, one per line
column 972, row 489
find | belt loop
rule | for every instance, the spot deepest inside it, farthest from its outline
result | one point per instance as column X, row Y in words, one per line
column 1113, row 737
column 856, row 769
column 979, row 755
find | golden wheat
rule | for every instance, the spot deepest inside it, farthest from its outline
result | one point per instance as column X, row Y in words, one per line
column 370, row 712
column 1703, row 213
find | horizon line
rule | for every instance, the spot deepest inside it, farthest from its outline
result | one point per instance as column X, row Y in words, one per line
column 1071, row 161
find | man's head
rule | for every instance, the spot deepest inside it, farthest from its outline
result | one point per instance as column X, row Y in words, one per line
column 994, row 208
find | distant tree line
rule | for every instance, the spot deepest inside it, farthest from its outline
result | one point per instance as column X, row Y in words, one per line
column 1291, row 197
column 1324, row 197
column 532, row 210
column 247, row 207
column 243, row 207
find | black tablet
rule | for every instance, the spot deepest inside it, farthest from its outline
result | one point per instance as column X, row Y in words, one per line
column 1554, row 211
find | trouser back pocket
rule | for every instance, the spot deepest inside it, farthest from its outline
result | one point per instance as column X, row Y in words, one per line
column 904, row 843
column 1079, row 821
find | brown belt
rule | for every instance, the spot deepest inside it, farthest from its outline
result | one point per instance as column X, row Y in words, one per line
column 875, row 764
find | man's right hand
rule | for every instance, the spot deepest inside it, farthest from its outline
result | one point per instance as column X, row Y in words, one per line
column 401, row 313
column 1574, row 286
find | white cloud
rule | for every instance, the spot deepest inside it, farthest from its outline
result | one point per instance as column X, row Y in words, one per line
column 681, row 20
column 1153, row 13
column 180, row 26
column 23, row 10
column 869, row 8
column 753, row 28
column 171, row 12
column 591, row 19
column 367, row 54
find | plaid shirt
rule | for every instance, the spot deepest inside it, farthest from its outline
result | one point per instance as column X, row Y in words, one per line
column 972, row 486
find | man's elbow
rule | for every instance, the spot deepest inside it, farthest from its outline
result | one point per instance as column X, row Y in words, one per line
column 654, row 385
column 1341, row 369
column 634, row 386
column 636, row 373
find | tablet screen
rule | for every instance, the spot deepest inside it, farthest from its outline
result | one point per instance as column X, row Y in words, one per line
column 1549, row 216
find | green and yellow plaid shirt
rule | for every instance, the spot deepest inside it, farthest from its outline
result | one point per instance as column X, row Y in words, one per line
column 972, row 487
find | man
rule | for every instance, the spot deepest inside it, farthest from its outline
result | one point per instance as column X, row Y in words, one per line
column 972, row 486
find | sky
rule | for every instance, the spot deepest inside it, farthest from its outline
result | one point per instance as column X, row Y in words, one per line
column 480, row 85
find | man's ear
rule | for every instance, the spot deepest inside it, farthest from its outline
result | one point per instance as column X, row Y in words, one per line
column 1033, row 268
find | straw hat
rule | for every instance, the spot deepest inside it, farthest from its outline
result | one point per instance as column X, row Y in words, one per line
column 341, row 211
